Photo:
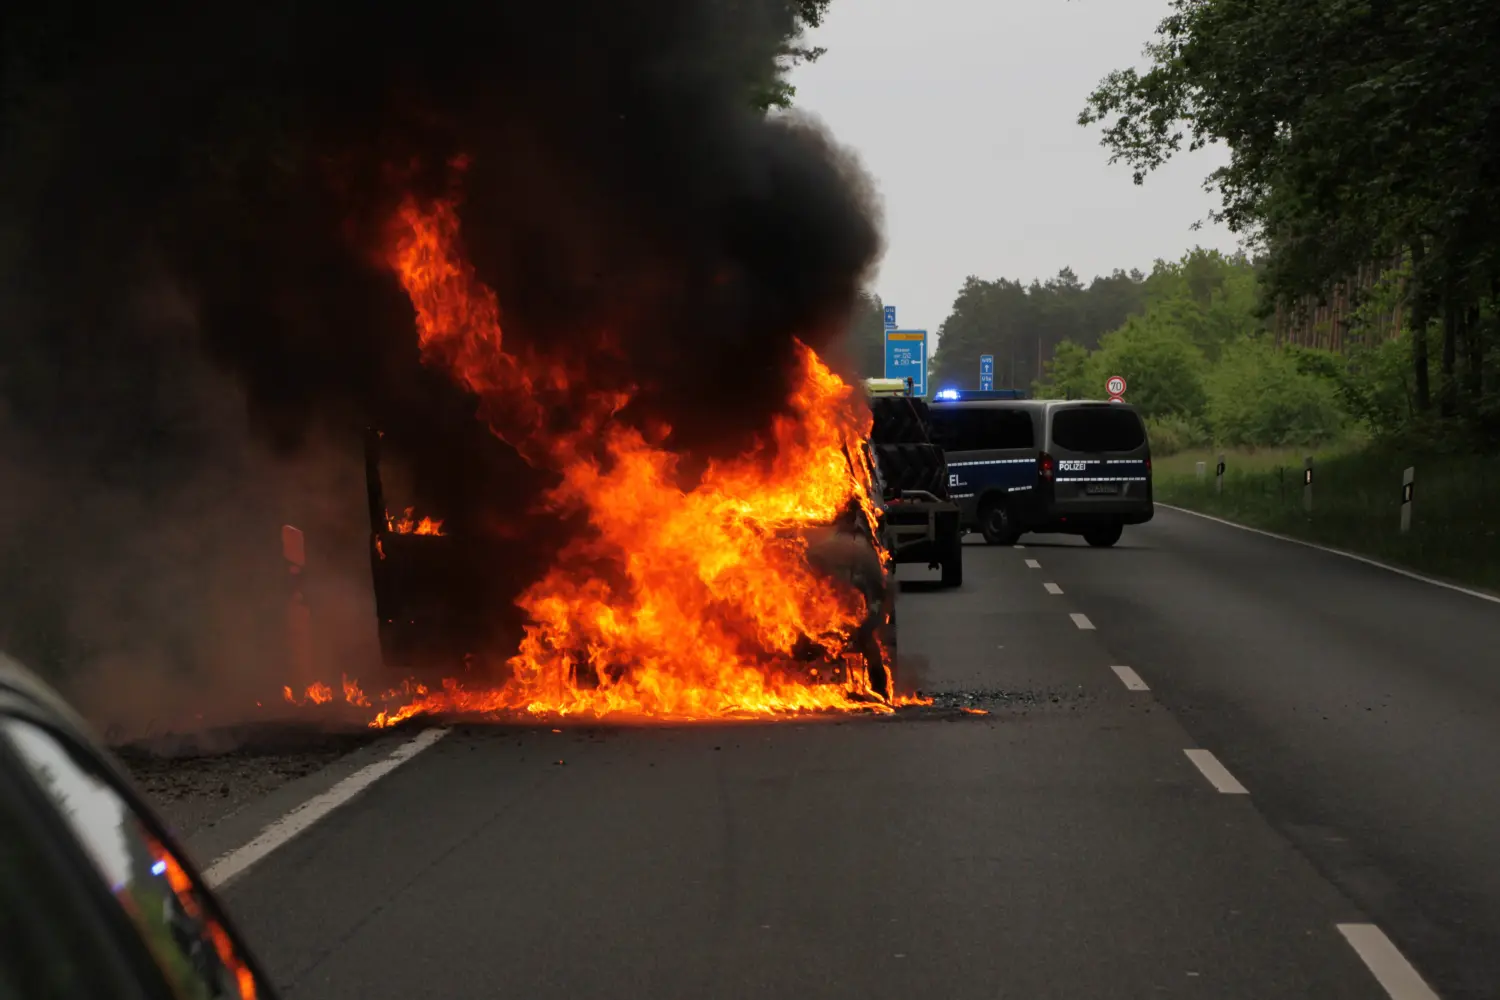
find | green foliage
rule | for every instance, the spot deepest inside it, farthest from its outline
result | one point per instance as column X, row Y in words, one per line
column 1212, row 297
column 1159, row 361
column 1192, row 308
column 1207, row 299
column 1258, row 395
column 1022, row 325
column 773, row 90
column 1201, row 370
column 1356, row 132
column 1067, row 373
column 1171, row 435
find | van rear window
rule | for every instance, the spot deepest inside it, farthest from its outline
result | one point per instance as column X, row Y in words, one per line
column 1097, row 428
column 981, row 428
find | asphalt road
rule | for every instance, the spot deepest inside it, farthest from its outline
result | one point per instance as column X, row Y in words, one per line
column 1360, row 708
column 1063, row 846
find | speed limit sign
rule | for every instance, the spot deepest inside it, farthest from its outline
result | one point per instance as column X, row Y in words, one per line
column 1115, row 386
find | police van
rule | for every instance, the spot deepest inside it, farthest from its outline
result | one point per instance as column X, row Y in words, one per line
column 1019, row 465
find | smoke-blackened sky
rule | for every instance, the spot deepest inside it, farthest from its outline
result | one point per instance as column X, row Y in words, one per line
column 622, row 197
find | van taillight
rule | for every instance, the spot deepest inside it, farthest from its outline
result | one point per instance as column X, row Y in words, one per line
column 1045, row 467
column 1148, row 465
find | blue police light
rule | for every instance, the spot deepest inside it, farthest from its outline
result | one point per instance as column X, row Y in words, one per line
column 977, row 395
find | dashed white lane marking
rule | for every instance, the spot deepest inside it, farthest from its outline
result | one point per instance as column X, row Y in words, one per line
column 234, row 864
column 1130, row 679
column 1033, row 564
column 1052, row 588
column 1217, row 774
column 1389, row 966
column 1082, row 621
column 1018, row 546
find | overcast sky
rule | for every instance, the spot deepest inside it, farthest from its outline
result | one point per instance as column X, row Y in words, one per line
column 965, row 111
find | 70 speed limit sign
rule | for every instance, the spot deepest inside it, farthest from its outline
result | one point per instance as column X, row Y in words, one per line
column 1115, row 386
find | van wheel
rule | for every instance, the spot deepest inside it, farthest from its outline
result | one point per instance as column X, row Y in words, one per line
column 998, row 524
column 1103, row 538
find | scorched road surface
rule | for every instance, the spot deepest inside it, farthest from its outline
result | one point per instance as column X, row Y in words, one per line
column 1064, row 846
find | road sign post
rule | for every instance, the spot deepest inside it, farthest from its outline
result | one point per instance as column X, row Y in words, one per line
column 1408, row 487
column 1307, row 484
column 1115, row 386
column 986, row 372
column 906, row 357
column 1219, row 475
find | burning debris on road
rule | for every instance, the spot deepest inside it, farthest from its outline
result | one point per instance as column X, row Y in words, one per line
column 591, row 297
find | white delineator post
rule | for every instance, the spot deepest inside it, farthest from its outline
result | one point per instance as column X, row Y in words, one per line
column 1408, row 487
column 1219, row 475
column 1202, row 472
column 1307, row 484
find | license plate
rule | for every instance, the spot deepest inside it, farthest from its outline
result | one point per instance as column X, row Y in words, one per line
column 1102, row 489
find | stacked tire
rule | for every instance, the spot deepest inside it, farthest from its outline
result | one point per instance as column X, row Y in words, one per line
column 914, row 467
column 902, row 436
column 900, row 420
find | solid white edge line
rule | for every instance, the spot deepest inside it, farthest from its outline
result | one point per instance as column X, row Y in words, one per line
column 1389, row 967
column 1081, row 620
column 1409, row 574
column 1217, row 774
column 1052, row 588
column 1033, row 564
column 276, row 834
column 1130, row 679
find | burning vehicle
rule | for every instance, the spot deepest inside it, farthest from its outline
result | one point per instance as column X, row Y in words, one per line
column 761, row 584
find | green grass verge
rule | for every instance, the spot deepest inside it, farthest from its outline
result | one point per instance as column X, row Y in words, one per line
column 1455, row 529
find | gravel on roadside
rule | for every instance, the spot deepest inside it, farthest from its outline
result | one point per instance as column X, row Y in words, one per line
column 197, row 781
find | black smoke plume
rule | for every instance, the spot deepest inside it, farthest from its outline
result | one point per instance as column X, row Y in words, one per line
column 195, row 200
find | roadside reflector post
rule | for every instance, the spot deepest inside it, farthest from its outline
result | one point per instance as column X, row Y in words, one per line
column 1202, row 472
column 298, row 616
column 1307, row 484
column 1219, row 475
column 1408, row 486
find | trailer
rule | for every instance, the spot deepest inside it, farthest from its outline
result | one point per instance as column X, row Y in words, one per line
column 922, row 520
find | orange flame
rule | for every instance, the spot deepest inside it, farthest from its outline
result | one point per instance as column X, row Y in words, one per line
column 353, row 695
column 319, row 693
column 407, row 525
column 682, row 602
column 316, row 693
